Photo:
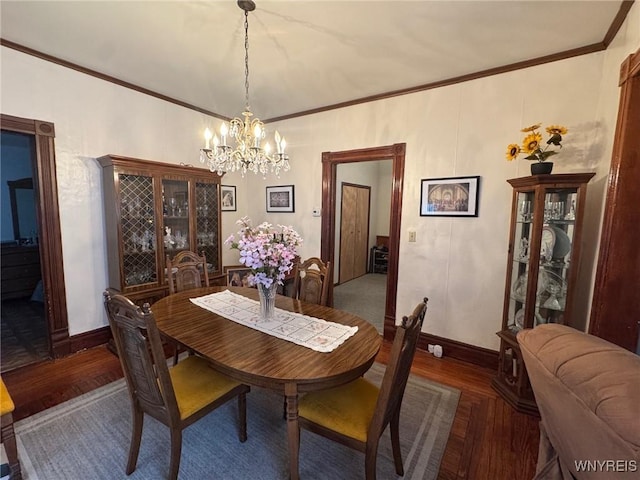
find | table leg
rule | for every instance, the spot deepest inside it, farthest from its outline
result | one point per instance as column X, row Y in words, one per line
column 293, row 429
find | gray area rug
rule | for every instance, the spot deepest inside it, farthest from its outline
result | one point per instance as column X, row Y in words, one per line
column 365, row 297
column 88, row 438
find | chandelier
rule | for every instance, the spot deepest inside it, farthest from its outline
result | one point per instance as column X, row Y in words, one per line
column 247, row 155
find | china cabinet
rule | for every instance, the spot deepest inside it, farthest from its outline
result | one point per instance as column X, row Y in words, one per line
column 543, row 256
column 154, row 210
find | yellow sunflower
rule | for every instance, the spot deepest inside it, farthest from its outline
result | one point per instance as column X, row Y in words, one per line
column 557, row 129
column 531, row 128
column 531, row 142
column 512, row 151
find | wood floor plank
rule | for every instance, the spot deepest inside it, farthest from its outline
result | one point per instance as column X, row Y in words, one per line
column 488, row 439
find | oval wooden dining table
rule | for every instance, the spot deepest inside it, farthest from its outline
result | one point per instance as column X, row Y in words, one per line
column 259, row 359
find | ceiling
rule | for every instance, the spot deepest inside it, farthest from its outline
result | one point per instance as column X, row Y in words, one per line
column 303, row 55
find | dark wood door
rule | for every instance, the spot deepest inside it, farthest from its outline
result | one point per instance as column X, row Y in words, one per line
column 616, row 302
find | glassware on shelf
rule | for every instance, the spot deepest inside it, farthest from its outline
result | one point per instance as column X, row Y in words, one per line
column 571, row 214
column 525, row 210
column 169, row 239
column 552, row 302
column 523, row 253
column 173, row 203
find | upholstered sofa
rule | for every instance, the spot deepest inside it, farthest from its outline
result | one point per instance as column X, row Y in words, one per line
column 588, row 394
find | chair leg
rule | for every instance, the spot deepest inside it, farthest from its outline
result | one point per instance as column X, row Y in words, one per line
column 176, row 450
column 370, row 459
column 242, row 414
column 9, row 442
column 395, row 442
column 176, row 354
column 136, row 438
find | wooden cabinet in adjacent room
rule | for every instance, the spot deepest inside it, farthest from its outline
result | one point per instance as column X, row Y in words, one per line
column 154, row 210
column 20, row 270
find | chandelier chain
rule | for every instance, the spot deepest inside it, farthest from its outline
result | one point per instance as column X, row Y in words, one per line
column 246, row 60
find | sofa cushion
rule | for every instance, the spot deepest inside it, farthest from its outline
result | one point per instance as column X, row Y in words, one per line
column 603, row 376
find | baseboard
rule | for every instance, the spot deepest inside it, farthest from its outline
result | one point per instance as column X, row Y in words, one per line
column 482, row 357
column 89, row 339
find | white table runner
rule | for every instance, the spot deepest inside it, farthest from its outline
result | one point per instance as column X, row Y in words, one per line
column 310, row 332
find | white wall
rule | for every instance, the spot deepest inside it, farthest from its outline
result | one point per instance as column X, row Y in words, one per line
column 462, row 129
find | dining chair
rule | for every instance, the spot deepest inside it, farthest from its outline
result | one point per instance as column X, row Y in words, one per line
column 7, row 432
column 312, row 281
column 356, row 414
column 186, row 271
column 176, row 396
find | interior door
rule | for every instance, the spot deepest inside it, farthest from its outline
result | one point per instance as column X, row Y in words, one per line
column 354, row 231
column 615, row 305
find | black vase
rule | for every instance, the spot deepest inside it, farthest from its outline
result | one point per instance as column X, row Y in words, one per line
column 541, row 168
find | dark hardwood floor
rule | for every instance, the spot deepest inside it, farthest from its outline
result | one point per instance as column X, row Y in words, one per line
column 489, row 440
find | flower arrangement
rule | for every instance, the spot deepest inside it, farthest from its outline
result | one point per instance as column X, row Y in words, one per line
column 268, row 251
column 531, row 144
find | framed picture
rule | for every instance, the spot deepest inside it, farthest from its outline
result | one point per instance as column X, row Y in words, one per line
column 449, row 197
column 237, row 275
column 280, row 199
column 228, row 198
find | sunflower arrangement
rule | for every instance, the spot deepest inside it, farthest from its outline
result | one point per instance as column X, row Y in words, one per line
column 532, row 143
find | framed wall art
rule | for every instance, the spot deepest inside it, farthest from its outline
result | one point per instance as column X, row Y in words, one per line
column 228, row 198
column 449, row 197
column 280, row 199
column 237, row 275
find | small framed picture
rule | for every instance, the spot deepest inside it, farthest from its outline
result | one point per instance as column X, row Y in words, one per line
column 280, row 199
column 449, row 197
column 237, row 275
column 228, row 198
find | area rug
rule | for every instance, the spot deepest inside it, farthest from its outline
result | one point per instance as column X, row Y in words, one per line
column 88, row 437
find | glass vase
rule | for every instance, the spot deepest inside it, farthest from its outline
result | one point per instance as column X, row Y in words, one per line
column 267, row 300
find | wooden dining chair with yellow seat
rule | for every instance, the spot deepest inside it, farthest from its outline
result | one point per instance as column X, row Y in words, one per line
column 312, row 281
column 356, row 414
column 176, row 396
column 187, row 270
column 8, row 436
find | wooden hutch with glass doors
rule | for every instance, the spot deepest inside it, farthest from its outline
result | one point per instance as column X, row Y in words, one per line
column 544, row 252
column 153, row 210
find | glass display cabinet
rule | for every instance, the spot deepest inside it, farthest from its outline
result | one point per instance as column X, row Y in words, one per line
column 544, row 250
column 153, row 210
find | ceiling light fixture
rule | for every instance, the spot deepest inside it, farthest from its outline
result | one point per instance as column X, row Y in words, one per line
column 248, row 154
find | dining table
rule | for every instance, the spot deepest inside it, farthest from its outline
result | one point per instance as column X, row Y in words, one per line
column 258, row 359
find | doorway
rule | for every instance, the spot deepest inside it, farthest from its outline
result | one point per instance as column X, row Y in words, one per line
column 24, row 334
column 34, row 228
column 330, row 162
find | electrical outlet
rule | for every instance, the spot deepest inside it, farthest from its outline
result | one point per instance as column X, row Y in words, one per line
column 412, row 235
column 316, row 212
